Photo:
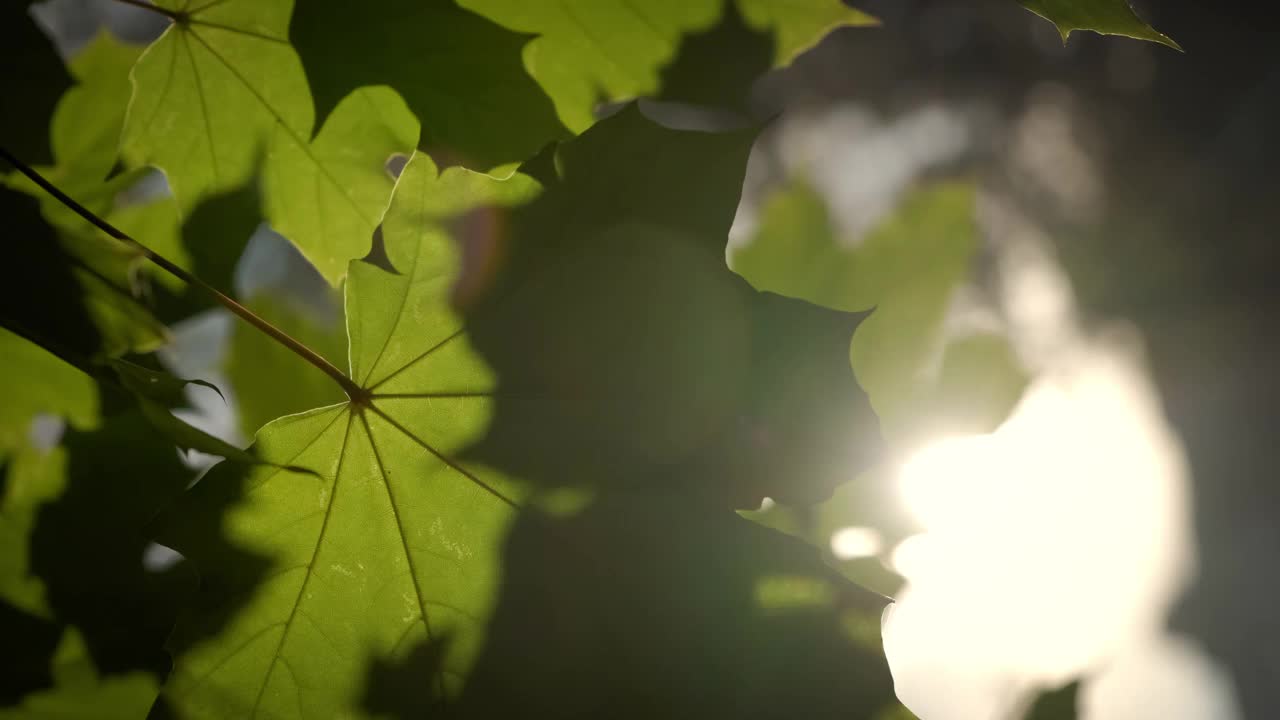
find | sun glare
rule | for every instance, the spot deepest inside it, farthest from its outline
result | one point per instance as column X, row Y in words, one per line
column 1049, row 546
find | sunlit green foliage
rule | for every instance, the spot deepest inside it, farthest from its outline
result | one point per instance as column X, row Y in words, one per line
column 511, row 487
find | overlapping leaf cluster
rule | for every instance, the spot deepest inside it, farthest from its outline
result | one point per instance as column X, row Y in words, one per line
column 521, row 498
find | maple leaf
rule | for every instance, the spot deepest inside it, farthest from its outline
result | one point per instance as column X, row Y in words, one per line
column 223, row 86
column 396, row 520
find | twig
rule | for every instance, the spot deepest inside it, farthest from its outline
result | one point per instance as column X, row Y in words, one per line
column 349, row 386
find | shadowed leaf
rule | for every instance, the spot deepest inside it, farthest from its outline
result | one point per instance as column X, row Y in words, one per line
column 458, row 72
column 1059, row 704
column 718, row 66
column 591, row 51
column 29, row 103
column 677, row 371
column 267, row 378
column 907, row 268
column 653, row 604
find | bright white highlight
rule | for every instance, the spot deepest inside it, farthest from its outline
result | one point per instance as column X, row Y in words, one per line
column 856, row 542
column 1053, row 545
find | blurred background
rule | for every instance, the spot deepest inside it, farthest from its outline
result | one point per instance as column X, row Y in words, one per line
column 1084, row 488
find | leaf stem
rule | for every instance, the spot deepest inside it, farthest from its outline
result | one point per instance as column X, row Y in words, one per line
column 349, row 386
column 171, row 14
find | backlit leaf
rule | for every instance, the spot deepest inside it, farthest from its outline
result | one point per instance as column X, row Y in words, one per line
column 396, row 520
column 223, row 88
column 393, row 523
column 1109, row 17
column 907, row 268
column 28, row 104
column 329, row 196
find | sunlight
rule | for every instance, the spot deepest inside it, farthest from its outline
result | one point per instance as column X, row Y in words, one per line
column 856, row 542
column 1049, row 546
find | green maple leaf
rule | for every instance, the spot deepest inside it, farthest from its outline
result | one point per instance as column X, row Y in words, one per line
column 223, row 86
column 392, row 524
column 592, row 51
column 85, row 127
column 1108, row 17
column 404, row 515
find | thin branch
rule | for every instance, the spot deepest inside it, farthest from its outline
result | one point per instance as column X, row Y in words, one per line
column 171, row 14
column 353, row 390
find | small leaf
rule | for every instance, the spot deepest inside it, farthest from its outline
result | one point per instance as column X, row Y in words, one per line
column 157, row 392
column 85, row 129
column 1108, row 17
column 159, row 387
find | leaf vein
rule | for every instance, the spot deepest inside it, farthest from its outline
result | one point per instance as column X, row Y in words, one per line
column 447, row 461
column 303, row 144
column 404, row 540
column 297, row 603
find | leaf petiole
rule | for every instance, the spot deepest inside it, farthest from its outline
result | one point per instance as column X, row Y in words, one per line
column 357, row 394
